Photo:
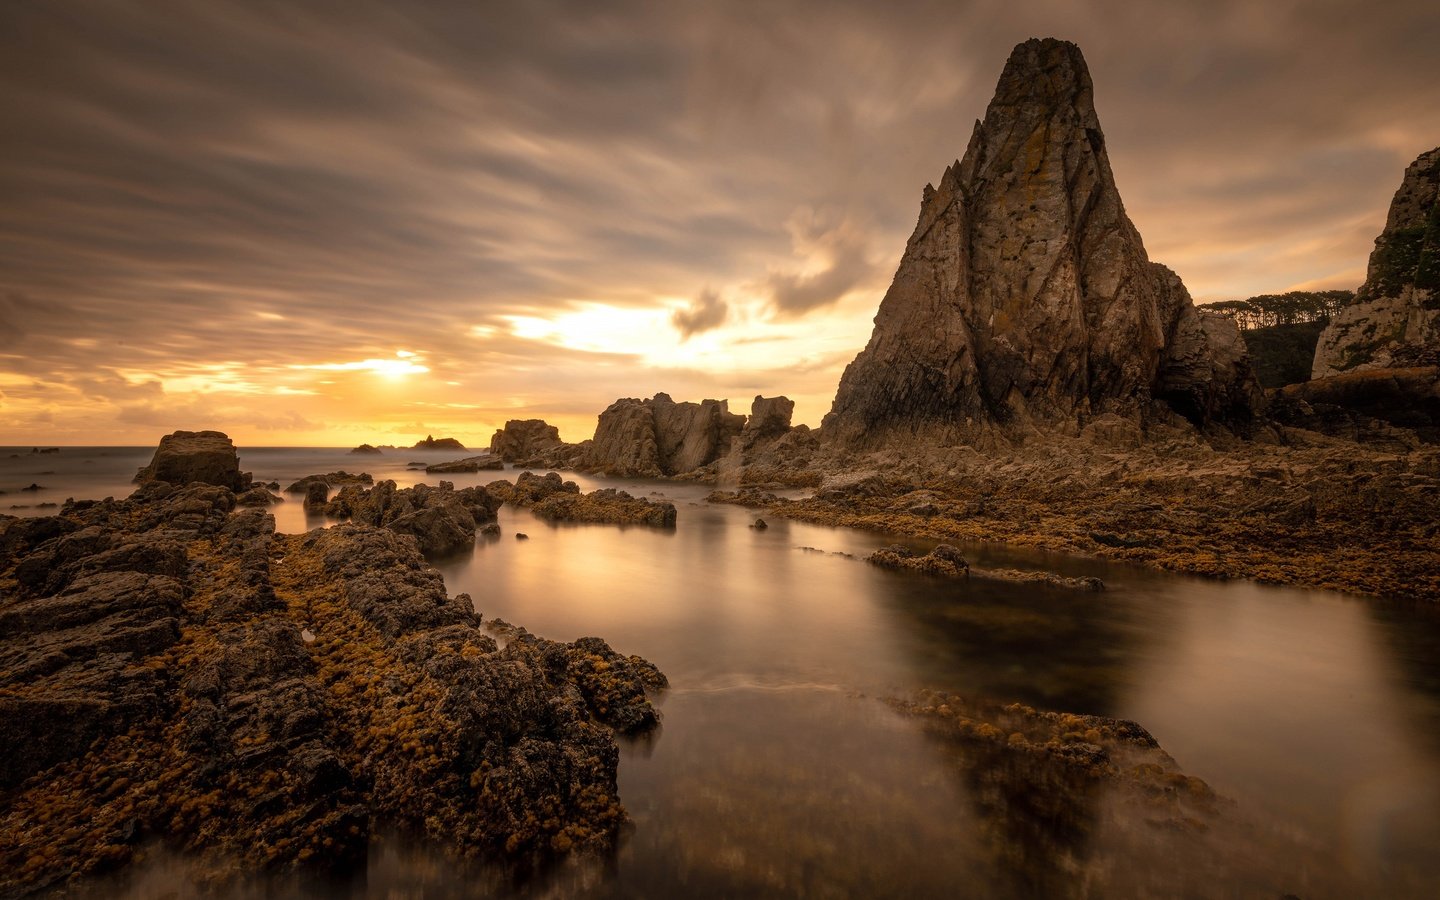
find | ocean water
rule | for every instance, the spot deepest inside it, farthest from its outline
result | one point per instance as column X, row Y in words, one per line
column 779, row 770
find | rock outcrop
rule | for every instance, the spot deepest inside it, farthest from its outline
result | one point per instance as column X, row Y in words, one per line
column 1399, row 408
column 532, row 443
column 366, row 450
column 1025, row 299
column 1395, row 320
column 552, row 498
column 330, row 480
column 659, row 437
column 174, row 673
column 441, row 519
column 434, row 443
column 468, row 464
column 204, row 456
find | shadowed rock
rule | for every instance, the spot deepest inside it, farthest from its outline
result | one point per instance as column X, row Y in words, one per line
column 1395, row 321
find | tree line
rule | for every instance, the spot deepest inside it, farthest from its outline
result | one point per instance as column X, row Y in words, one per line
column 1290, row 308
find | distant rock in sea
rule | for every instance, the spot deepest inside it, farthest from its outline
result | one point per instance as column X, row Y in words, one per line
column 1024, row 300
column 468, row 464
column 367, row 450
column 1395, row 320
column 204, row 456
column 434, row 443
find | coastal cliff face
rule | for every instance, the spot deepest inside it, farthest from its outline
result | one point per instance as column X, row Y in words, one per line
column 1025, row 300
column 1395, row 321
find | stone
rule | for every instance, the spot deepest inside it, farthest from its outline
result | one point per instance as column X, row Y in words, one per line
column 769, row 418
column 1025, row 301
column 1392, row 406
column 1395, row 319
column 317, row 494
column 441, row 519
column 366, row 450
column 186, row 456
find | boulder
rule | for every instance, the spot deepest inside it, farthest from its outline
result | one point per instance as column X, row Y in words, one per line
column 1025, row 300
column 204, row 456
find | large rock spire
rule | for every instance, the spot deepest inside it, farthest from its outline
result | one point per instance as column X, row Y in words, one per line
column 1024, row 298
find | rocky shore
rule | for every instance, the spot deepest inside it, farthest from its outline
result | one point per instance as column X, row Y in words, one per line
column 174, row 675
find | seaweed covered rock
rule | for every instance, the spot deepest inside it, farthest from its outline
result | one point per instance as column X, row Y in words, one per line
column 186, row 456
column 174, row 672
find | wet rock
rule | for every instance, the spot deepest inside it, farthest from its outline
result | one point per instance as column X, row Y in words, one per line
column 186, row 456
column 317, row 494
column 329, row 479
column 759, row 525
column 468, row 464
column 441, row 519
column 552, row 498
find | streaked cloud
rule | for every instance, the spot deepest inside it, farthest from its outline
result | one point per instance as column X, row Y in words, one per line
column 237, row 215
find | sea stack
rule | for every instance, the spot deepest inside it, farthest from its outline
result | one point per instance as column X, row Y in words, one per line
column 1395, row 320
column 1025, row 302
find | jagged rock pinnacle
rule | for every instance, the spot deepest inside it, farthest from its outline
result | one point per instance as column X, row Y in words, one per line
column 1025, row 300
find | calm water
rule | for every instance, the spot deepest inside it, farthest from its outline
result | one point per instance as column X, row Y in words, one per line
column 777, row 771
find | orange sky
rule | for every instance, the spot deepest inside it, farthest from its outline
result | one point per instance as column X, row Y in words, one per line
column 330, row 224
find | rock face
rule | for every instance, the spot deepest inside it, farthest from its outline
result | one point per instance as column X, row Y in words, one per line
column 1395, row 320
column 1397, row 407
column 656, row 437
column 1025, row 299
column 175, row 673
column 205, row 456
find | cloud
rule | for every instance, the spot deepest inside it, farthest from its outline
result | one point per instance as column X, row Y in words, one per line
column 839, row 254
column 705, row 312
column 217, row 185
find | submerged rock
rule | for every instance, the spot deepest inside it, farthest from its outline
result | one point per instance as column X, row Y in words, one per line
column 1025, row 300
column 329, row 479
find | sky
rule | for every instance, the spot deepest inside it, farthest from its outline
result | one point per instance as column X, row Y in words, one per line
column 328, row 223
